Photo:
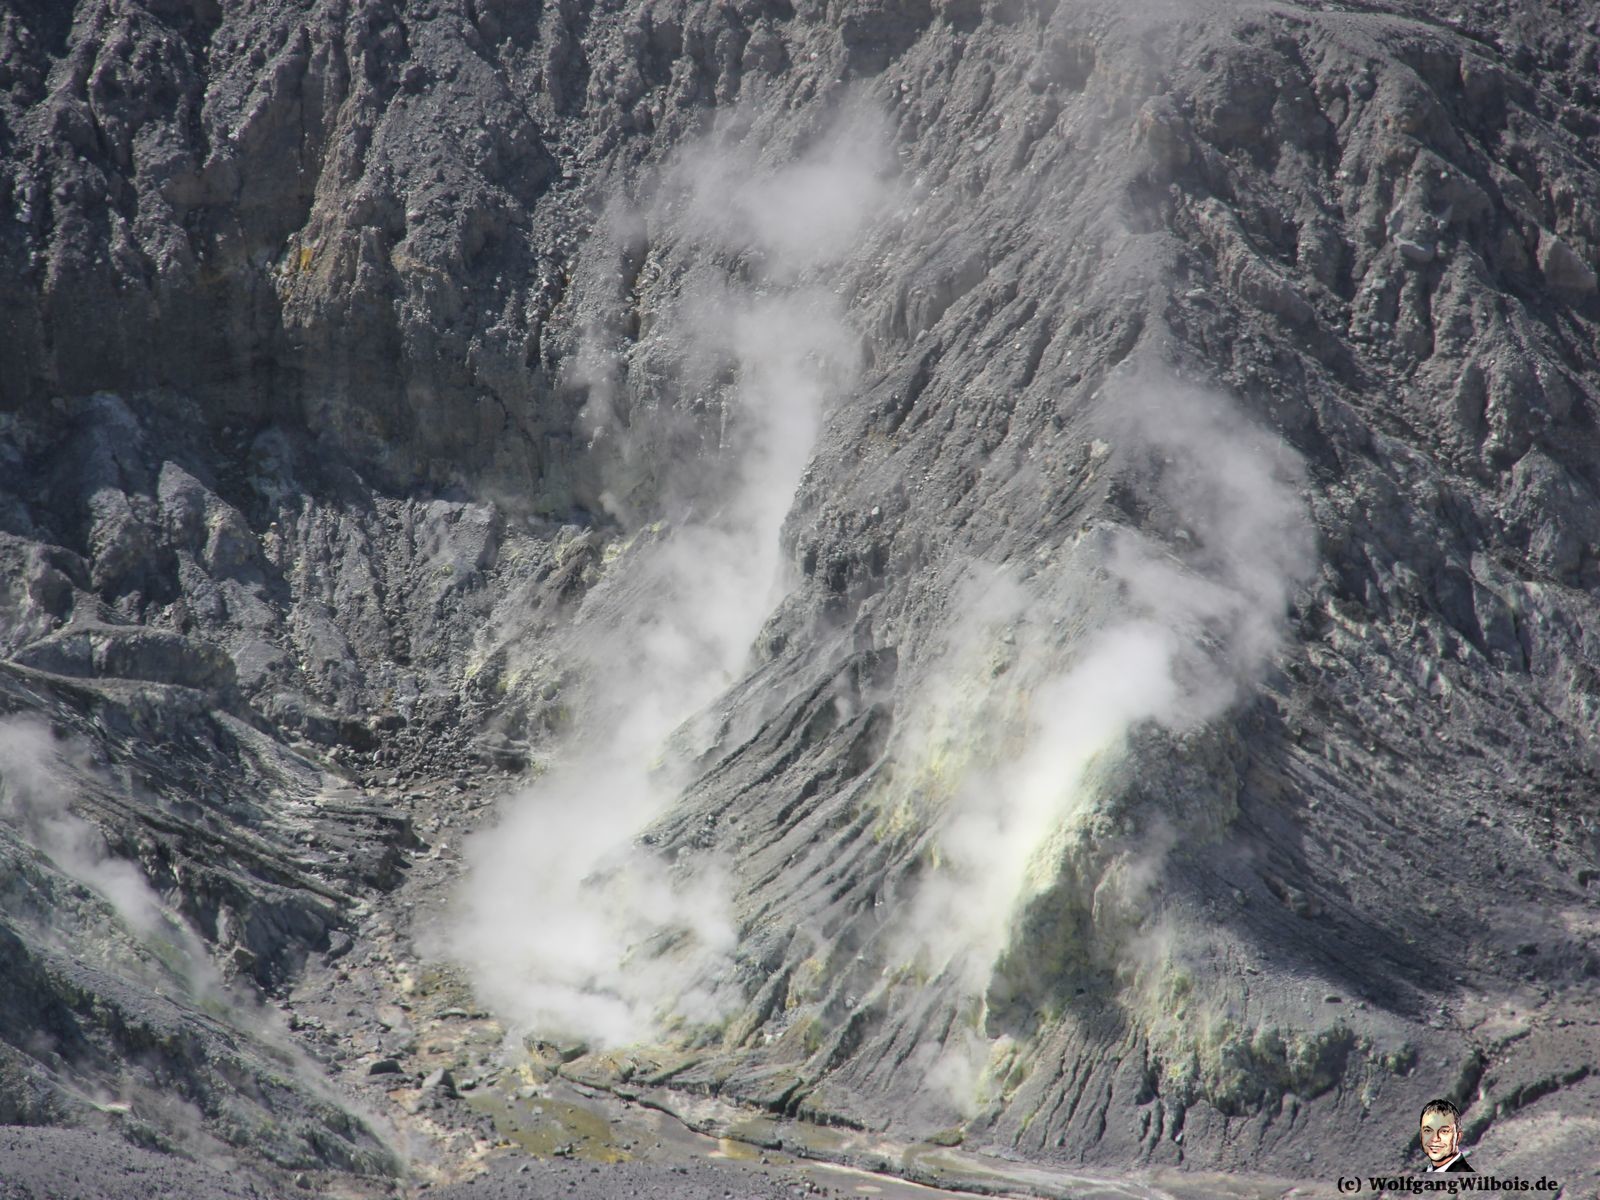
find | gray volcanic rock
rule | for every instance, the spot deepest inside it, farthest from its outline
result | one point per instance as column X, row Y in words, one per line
column 73, row 1165
column 360, row 378
column 1246, row 190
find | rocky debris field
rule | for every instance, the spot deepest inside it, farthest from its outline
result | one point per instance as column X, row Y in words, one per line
column 74, row 1165
column 402, row 402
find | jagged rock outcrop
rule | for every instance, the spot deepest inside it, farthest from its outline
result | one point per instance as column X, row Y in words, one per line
column 357, row 367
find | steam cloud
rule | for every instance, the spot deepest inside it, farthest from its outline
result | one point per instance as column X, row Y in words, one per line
column 569, row 926
column 34, row 802
column 1198, row 624
column 37, row 773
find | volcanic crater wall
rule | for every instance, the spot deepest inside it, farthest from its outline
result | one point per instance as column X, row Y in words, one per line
column 342, row 384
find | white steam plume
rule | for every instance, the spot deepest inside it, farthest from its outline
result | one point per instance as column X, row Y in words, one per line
column 569, row 927
column 1197, row 626
column 34, row 802
column 38, row 774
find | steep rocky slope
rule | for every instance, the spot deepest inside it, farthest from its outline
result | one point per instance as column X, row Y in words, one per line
column 1170, row 741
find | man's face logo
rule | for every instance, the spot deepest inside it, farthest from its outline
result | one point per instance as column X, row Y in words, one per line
column 1440, row 1136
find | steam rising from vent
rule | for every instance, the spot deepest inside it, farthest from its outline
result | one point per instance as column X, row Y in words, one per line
column 39, row 775
column 34, row 801
column 569, row 926
column 1192, row 619
column 805, row 215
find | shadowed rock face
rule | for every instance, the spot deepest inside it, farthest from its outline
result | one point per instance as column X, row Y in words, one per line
column 356, row 358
